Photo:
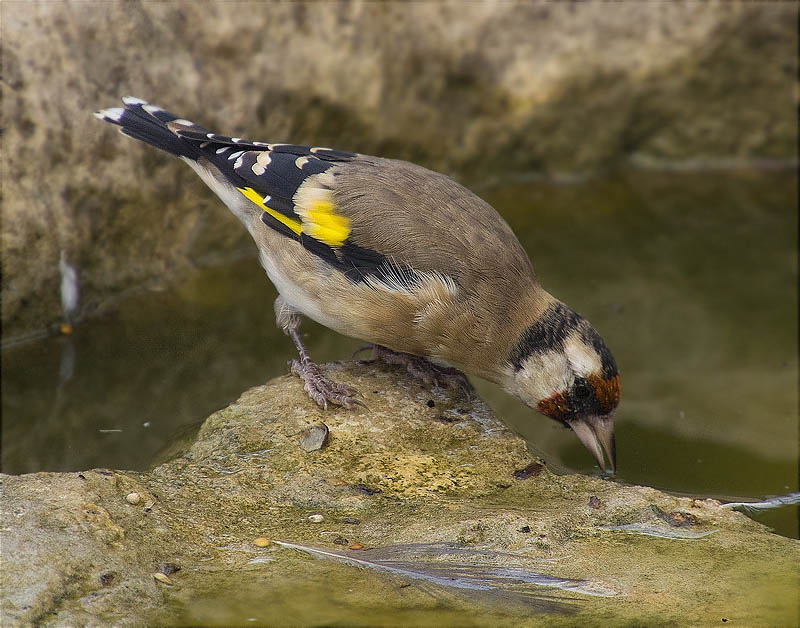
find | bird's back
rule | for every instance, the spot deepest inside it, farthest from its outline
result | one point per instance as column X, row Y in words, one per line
column 430, row 222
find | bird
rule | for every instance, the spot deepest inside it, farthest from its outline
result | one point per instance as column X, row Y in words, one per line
column 405, row 259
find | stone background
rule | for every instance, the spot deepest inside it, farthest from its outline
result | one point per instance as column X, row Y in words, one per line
column 478, row 90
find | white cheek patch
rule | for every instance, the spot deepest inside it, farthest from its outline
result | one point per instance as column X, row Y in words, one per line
column 582, row 358
column 542, row 375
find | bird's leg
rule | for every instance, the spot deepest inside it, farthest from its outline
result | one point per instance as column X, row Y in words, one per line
column 319, row 388
column 424, row 369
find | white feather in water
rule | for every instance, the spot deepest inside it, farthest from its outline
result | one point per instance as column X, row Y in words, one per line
column 768, row 504
column 458, row 575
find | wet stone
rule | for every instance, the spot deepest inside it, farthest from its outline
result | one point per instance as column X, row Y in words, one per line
column 439, row 506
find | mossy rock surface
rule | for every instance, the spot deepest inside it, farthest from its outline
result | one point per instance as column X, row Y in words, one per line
column 419, row 492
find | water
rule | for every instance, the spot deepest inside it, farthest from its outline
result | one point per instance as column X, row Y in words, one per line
column 690, row 277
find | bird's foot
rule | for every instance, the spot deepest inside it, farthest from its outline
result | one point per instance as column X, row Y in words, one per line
column 320, row 388
column 425, row 370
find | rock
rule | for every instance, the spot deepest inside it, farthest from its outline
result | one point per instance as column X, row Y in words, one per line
column 133, row 498
column 75, row 553
column 479, row 90
column 314, row 438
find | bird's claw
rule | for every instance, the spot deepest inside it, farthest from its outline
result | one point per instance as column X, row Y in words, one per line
column 323, row 390
column 426, row 371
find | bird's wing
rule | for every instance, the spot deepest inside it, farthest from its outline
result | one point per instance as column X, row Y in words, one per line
column 378, row 219
column 370, row 218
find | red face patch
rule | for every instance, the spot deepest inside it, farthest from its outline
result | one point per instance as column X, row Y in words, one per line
column 606, row 391
column 603, row 397
column 554, row 406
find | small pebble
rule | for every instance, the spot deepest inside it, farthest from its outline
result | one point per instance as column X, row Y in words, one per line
column 525, row 529
column 314, row 438
column 133, row 498
column 261, row 542
column 356, row 546
column 169, row 568
column 316, row 518
column 366, row 490
column 106, row 578
column 594, row 502
column 340, row 540
column 532, row 470
column 681, row 519
column 162, row 578
column 149, row 506
column 352, row 521
column 431, row 403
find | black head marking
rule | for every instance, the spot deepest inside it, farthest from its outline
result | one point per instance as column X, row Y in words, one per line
column 550, row 332
column 546, row 334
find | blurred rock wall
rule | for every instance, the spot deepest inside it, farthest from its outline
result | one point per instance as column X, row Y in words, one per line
column 479, row 90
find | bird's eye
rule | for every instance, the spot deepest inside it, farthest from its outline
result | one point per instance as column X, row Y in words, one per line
column 581, row 389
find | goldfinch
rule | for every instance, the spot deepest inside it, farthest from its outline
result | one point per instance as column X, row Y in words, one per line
column 403, row 258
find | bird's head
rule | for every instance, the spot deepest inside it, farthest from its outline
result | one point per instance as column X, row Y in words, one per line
column 561, row 367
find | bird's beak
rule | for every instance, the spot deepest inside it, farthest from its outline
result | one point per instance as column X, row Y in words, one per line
column 597, row 435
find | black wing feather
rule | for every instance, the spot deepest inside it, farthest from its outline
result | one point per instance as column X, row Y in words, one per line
column 279, row 181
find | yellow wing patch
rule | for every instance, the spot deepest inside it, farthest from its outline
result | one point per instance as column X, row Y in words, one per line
column 255, row 197
column 319, row 219
column 321, row 223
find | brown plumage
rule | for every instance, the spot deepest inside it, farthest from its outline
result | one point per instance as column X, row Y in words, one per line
column 403, row 258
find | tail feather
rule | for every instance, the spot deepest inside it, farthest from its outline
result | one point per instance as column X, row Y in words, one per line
column 149, row 123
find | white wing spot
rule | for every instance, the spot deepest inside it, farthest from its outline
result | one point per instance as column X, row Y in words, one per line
column 211, row 136
column 235, row 155
column 151, row 109
column 238, row 163
column 236, row 139
column 264, row 158
column 315, row 149
column 274, row 146
column 267, row 199
column 300, row 162
column 183, row 122
column 130, row 100
column 257, row 169
column 115, row 113
column 258, row 144
column 222, row 150
column 204, row 144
